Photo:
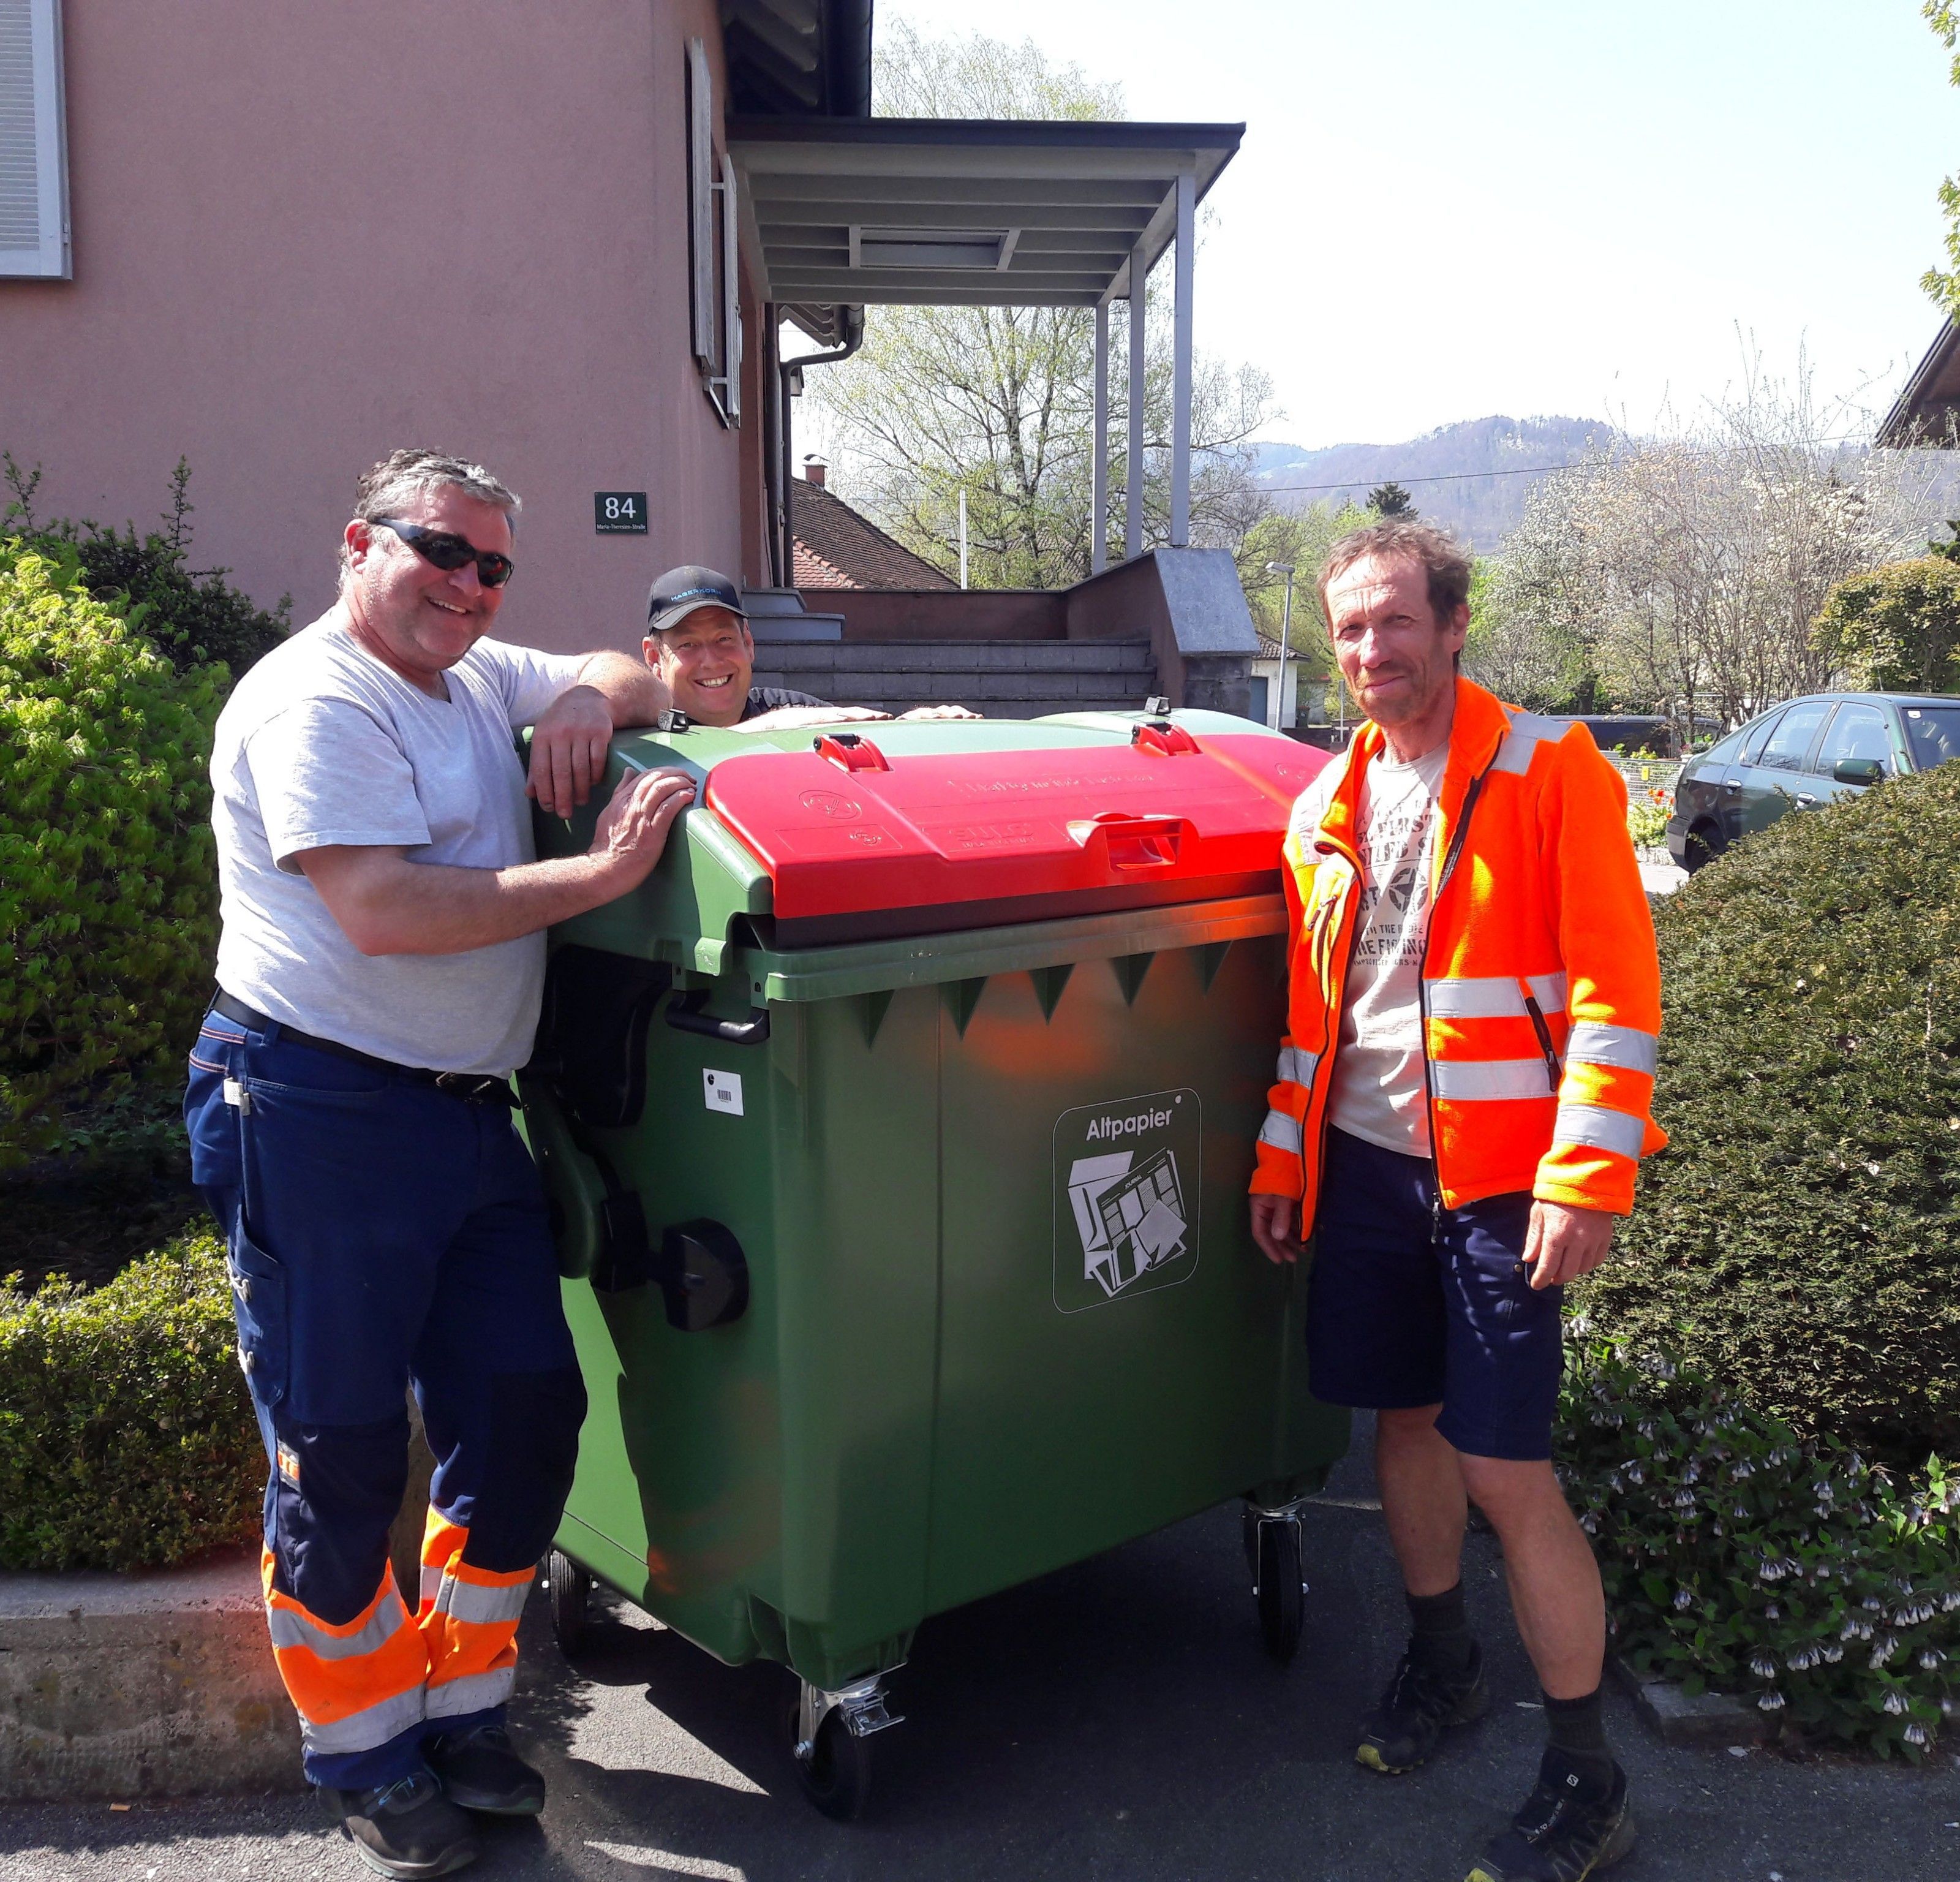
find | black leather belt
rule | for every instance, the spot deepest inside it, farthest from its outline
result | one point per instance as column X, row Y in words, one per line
column 476, row 1088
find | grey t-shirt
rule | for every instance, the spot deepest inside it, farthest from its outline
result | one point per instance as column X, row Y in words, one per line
column 321, row 743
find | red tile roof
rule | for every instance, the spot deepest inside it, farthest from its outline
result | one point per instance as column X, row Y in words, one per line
column 836, row 548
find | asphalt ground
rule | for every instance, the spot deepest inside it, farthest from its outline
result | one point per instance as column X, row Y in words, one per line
column 1118, row 1720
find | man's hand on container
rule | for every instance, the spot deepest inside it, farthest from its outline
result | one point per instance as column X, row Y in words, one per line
column 1563, row 1243
column 939, row 712
column 1274, row 1219
column 632, row 829
column 783, row 718
column 568, row 745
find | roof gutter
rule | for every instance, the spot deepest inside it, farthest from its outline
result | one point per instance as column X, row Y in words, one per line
column 853, row 338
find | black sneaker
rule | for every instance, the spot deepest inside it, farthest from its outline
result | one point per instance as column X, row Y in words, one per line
column 1422, row 1698
column 1564, row 1833
column 406, row 1829
column 480, row 1772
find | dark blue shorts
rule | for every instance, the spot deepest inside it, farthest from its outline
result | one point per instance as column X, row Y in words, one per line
column 1400, row 1316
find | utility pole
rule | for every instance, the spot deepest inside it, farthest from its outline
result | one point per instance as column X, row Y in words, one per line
column 962, row 535
column 1278, row 722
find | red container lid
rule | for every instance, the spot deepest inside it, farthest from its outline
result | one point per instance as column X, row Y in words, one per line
column 860, row 845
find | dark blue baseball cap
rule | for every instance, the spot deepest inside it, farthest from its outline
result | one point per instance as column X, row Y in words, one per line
column 678, row 592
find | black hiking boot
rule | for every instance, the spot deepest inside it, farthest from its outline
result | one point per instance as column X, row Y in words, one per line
column 1565, row 1831
column 1422, row 1698
column 480, row 1772
column 407, row 1829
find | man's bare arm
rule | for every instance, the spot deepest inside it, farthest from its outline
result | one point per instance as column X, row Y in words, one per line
column 569, row 741
column 386, row 905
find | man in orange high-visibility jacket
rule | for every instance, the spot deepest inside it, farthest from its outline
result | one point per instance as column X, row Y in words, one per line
column 1463, row 1094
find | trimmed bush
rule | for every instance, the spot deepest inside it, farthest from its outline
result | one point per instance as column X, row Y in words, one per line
column 1800, row 1240
column 1737, row 1556
column 108, row 884
column 126, row 1434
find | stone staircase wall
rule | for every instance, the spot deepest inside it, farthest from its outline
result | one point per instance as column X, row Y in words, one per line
column 1012, row 679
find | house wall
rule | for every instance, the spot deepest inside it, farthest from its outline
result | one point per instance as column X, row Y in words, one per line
column 305, row 234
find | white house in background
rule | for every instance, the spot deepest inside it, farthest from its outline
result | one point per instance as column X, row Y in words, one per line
column 1266, row 687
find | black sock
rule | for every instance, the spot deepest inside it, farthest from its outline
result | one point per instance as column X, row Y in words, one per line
column 1578, row 1733
column 1442, row 1635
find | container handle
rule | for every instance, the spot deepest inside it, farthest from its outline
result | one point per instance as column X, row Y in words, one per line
column 684, row 1015
column 1160, row 736
column 1131, row 841
column 851, row 749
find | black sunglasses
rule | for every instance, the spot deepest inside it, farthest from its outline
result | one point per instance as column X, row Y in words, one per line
column 450, row 553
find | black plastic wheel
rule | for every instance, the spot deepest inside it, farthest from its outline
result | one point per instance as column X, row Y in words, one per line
column 836, row 1777
column 1282, row 1605
column 570, row 1589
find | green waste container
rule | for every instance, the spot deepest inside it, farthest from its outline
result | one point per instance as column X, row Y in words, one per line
column 898, row 1132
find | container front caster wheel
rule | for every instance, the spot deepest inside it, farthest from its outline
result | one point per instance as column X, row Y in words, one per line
column 1278, row 1584
column 569, row 1588
column 830, row 1739
column 836, row 1776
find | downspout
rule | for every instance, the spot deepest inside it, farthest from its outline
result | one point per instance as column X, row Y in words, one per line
column 853, row 338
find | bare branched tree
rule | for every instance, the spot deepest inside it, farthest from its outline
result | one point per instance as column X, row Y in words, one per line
column 997, row 403
column 1683, row 574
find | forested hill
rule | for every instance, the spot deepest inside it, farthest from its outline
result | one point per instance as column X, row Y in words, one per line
column 1482, row 509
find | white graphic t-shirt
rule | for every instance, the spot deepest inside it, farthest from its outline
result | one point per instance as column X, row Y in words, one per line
column 1378, row 1093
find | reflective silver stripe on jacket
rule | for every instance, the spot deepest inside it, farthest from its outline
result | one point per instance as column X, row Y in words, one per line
column 362, row 1730
column 1625, row 1047
column 432, row 1581
column 472, row 1601
column 1603, row 1129
column 1499, row 996
column 289, row 1629
column 1297, row 1067
column 471, row 1693
column 1467, row 1080
column 1528, row 732
column 1284, row 1133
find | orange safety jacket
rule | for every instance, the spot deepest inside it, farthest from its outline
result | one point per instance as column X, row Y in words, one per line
column 1540, row 982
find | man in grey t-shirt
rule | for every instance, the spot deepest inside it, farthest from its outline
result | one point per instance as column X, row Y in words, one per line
column 380, row 973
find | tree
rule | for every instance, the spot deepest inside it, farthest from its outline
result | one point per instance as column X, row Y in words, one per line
column 1388, row 500
column 1684, row 574
column 1943, row 284
column 1897, row 629
column 997, row 403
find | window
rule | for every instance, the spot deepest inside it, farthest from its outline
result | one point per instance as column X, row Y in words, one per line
column 717, row 310
column 1758, row 736
column 1858, row 731
column 1723, row 753
column 1789, row 743
column 1933, row 733
column 33, row 141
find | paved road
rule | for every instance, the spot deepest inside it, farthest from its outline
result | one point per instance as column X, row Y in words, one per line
column 1117, row 1720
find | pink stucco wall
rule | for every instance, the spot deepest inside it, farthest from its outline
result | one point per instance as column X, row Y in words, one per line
column 305, row 233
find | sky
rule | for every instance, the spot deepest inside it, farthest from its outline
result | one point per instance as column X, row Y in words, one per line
column 1447, row 208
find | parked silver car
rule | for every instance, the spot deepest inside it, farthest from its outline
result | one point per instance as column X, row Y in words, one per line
column 1804, row 752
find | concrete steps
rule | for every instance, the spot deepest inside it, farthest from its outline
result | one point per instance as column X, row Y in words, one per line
column 1012, row 680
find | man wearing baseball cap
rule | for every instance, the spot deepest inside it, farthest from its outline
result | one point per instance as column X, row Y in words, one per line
column 698, row 641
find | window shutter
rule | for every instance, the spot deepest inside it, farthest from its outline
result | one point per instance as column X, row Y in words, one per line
column 701, row 202
column 731, row 299
column 33, row 141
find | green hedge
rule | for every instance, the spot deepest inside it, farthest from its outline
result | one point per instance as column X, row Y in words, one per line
column 126, row 1434
column 108, row 879
column 1739, row 1556
column 1800, row 1240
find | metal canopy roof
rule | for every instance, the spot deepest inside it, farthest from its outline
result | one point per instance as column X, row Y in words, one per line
column 959, row 212
column 798, row 55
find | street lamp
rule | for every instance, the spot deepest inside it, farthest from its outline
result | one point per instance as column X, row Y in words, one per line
column 1286, row 640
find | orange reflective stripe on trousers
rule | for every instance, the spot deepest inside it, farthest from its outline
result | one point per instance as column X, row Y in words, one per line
column 468, row 1619
column 355, row 1686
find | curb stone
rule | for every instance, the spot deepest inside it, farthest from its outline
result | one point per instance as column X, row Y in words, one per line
column 1710, row 1722
column 160, row 1684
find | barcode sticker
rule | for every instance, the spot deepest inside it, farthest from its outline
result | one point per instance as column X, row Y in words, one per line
column 723, row 1090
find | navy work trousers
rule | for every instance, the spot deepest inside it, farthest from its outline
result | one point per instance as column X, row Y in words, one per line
column 381, row 1233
